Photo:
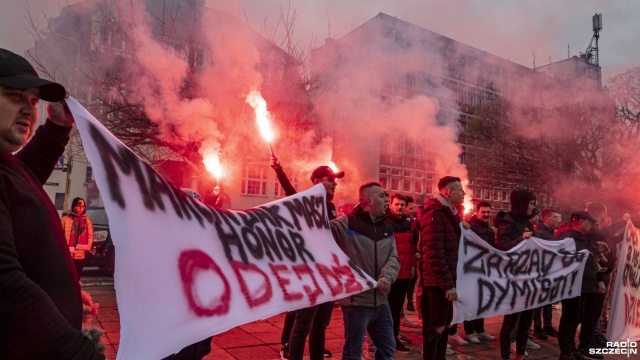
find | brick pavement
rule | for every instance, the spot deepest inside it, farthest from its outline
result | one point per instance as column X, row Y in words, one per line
column 260, row 340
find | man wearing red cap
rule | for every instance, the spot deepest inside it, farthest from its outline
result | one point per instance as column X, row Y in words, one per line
column 312, row 321
column 40, row 302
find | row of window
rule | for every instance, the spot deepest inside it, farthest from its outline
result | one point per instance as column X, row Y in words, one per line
column 254, row 181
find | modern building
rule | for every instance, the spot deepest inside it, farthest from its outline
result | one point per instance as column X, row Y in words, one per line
column 389, row 62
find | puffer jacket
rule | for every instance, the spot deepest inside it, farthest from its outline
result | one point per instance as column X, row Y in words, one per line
column 404, row 244
column 80, row 251
column 510, row 230
column 440, row 230
column 591, row 276
column 370, row 246
column 483, row 229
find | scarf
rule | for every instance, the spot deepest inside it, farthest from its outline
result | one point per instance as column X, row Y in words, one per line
column 79, row 237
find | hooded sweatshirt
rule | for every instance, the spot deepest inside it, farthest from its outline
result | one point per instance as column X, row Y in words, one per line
column 513, row 224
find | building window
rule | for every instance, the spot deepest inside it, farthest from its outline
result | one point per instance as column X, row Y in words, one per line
column 59, row 201
column 406, row 185
column 254, row 180
column 279, row 191
column 417, row 186
column 383, row 182
column 395, row 184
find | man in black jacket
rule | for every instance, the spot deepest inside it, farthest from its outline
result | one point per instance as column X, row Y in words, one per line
column 312, row 321
column 480, row 225
column 40, row 301
column 593, row 288
column 545, row 231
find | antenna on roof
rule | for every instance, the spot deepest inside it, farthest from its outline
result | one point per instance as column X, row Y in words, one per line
column 591, row 55
column 568, row 51
column 328, row 23
column 534, row 60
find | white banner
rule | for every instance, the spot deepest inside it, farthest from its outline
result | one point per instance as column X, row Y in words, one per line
column 534, row 273
column 185, row 271
column 624, row 318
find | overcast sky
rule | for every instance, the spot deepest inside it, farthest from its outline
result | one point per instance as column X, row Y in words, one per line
column 514, row 30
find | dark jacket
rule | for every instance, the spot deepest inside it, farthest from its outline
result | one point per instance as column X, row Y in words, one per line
column 440, row 230
column 590, row 276
column 404, row 244
column 510, row 230
column 40, row 301
column 483, row 229
column 513, row 224
column 601, row 234
column 543, row 232
column 370, row 246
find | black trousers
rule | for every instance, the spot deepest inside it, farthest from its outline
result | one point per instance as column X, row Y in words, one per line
column 584, row 309
column 312, row 321
column 519, row 323
column 437, row 311
column 396, row 300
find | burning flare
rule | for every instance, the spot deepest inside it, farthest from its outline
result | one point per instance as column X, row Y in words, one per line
column 333, row 166
column 211, row 162
column 259, row 105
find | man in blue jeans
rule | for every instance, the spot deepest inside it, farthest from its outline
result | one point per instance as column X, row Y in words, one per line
column 368, row 241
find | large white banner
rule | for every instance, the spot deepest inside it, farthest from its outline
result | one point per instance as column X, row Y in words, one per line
column 185, row 271
column 534, row 273
column 624, row 318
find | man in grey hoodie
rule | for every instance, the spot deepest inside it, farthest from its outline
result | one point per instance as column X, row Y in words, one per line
column 368, row 241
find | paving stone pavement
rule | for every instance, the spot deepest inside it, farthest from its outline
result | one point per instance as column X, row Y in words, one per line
column 260, row 340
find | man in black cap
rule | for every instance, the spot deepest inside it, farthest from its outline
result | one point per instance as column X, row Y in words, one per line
column 312, row 321
column 592, row 288
column 40, row 301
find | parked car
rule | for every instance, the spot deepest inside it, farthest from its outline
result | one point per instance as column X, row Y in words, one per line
column 102, row 253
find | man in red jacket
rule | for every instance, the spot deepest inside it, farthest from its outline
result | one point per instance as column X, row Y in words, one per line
column 406, row 255
column 440, row 229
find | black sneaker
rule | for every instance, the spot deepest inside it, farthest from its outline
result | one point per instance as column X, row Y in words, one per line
column 551, row 331
column 410, row 306
column 401, row 349
column 600, row 341
column 327, row 353
column 403, row 339
column 585, row 353
column 284, row 352
column 539, row 333
column 578, row 355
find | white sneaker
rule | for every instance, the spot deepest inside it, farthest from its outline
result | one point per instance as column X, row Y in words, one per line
column 408, row 323
column 450, row 352
column 473, row 338
column 532, row 345
column 485, row 336
column 458, row 340
column 513, row 349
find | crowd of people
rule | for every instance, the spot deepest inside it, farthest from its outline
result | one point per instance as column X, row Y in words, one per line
column 41, row 257
column 424, row 246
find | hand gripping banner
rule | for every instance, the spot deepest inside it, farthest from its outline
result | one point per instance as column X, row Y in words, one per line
column 534, row 273
column 186, row 271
